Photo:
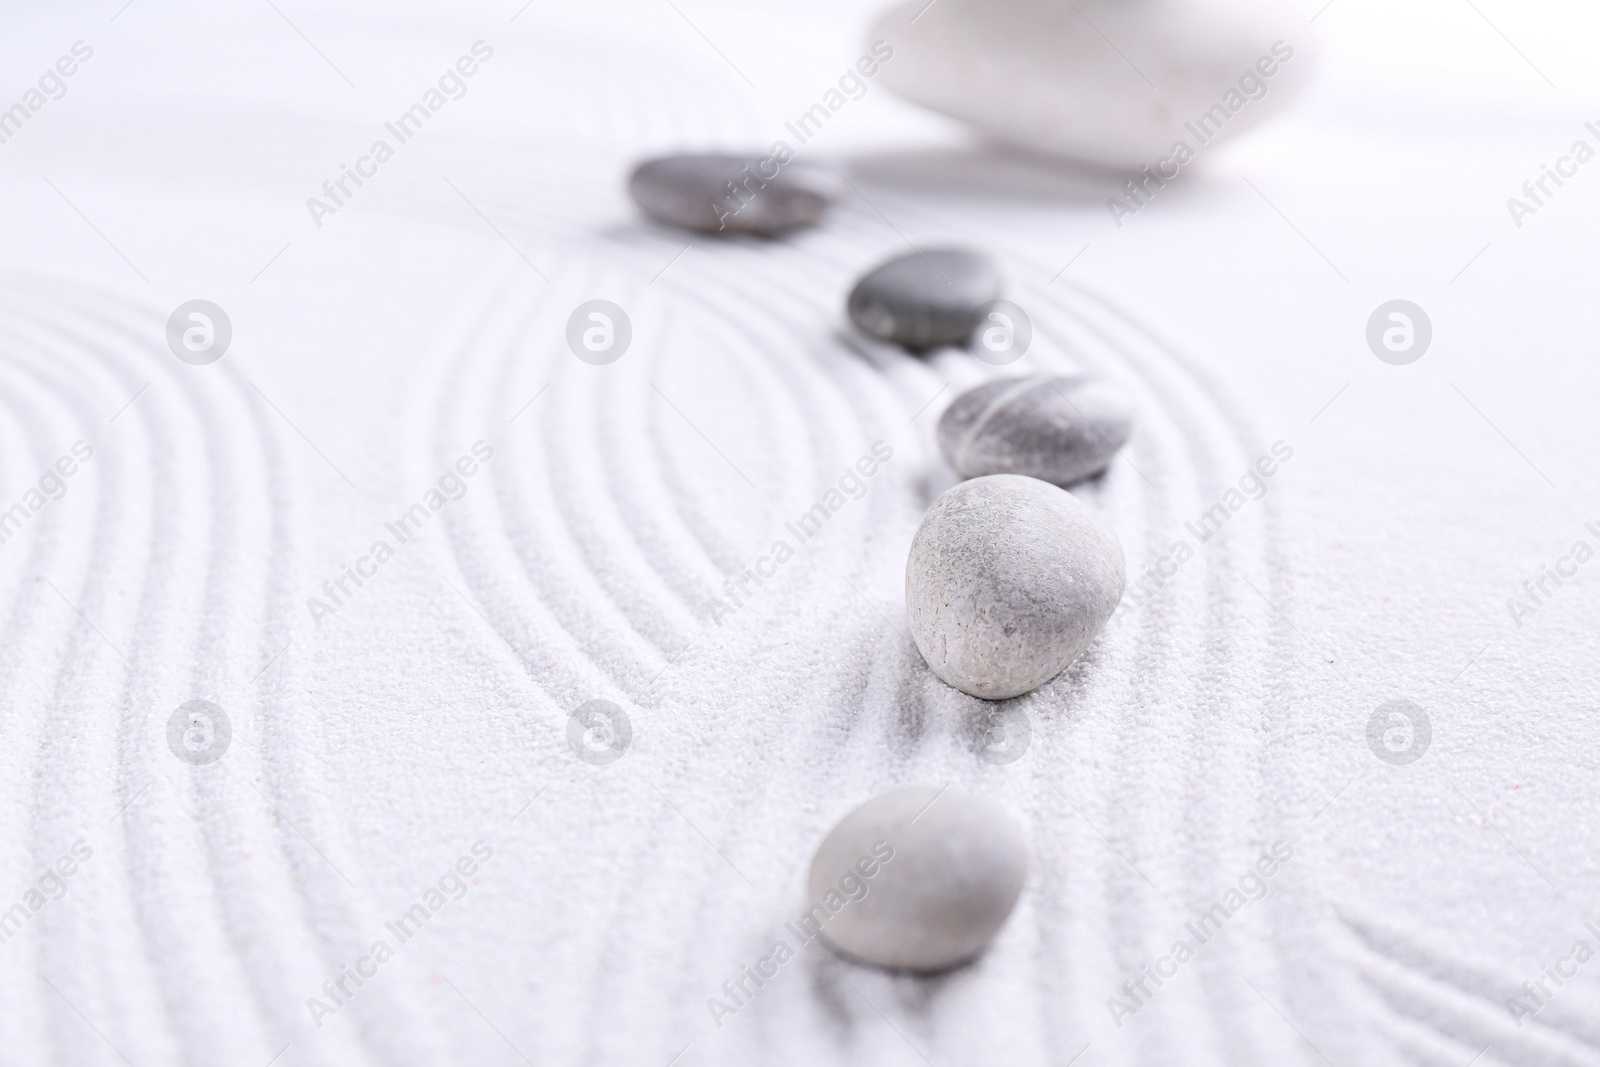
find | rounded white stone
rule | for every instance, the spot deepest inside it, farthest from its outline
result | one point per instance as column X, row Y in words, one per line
column 1009, row 579
column 956, row 864
column 1112, row 82
column 1062, row 429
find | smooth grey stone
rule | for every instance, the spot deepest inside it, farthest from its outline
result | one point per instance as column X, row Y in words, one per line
column 924, row 299
column 1061, row 429
column 957, row 864
column 1009, row 579
column 731, row 194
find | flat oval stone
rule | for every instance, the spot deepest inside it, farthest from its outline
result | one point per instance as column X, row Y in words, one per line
column 1009, row 579
column 917, row 879
column 1061, row 429
column 733, row 194
column 924, row 299
column 1045, row 74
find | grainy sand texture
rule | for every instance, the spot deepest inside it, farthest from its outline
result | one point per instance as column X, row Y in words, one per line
column 399, row 535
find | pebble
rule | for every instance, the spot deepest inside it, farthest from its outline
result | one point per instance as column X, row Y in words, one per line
column 924, row 299
column 733, row 194
column 955, row 869
column 1009, row 579
column 1062, row 429
column 1044, row 74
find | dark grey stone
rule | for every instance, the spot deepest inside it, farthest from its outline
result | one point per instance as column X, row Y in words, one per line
column 1061, row 429
column 924, row 299
column 733, row 194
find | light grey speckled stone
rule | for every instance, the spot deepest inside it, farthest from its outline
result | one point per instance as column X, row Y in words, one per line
column 1060, row 429
column 955, row 869
column 924, row 299
column 1009, row 579
column 732, row 194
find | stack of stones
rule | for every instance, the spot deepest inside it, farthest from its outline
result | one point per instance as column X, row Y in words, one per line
column 1009, row 579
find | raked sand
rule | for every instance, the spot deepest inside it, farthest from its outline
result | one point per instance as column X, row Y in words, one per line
column 417, row 729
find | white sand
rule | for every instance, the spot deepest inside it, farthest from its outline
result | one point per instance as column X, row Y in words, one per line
column 429, row 712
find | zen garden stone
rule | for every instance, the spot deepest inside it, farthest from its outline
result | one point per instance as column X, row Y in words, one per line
column 1009, row 580
column 925, row 299
column 1059, row 429
column 733, row 194
column 1040, row 73
column 946, row 868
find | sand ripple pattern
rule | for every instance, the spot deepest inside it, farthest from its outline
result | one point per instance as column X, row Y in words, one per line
column 587, row 560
